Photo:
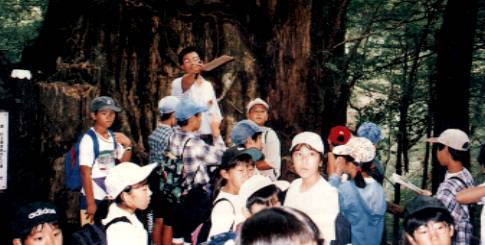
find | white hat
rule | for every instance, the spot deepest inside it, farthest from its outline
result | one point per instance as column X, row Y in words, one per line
column 257, row 101
column 258, row 182
column 453, row 138
column 312, row 139
column 124, row 175
column 167, row 104
column 359, row 148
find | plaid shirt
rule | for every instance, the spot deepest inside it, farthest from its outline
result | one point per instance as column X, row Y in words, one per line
column 197, row 155
column 447, row 194
column 158, row 142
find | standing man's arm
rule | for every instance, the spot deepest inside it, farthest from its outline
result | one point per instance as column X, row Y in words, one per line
column 88, row 191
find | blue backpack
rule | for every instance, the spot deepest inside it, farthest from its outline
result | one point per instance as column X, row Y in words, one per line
column 72, row 179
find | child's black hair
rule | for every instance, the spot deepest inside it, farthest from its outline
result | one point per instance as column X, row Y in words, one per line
column 461, row 156
column 263, row 196
column 166, row 116
column 422, row 217
column 219, row 181
column 184, row 52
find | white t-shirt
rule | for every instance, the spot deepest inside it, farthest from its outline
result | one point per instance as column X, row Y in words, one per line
column 104, row 162
column 124, row 232
column 201, row 92
column 320, row 202
column 224, row 214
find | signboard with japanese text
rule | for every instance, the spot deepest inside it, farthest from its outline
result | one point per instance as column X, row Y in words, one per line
column 3, row 149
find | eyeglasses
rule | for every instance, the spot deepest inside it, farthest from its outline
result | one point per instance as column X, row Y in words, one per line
column 438, row 227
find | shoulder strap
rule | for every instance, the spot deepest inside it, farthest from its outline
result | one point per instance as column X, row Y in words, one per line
column 266, row 136
column 462, row 182
column 93, row 136
column 183, row 148
column 116, row 220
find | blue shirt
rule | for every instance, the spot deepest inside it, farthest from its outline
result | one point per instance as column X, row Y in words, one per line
column 364, row 208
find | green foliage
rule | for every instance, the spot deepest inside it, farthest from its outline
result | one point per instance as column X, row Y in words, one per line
column 20, row 21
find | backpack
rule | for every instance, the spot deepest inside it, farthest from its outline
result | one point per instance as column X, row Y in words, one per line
column 472, row 210
column 94, row 234
column 201, row 234
column 172, row 177
column 72, row 179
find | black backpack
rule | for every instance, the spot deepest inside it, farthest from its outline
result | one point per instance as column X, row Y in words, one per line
column 201, row 234
column 94, row 234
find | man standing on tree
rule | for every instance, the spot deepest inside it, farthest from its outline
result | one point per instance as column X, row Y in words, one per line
column 453, row 145
column 192, row 85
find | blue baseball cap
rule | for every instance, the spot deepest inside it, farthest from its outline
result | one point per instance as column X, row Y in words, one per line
column 243, row 130
column 187, row 108
column 167, row 104
column 370, row 131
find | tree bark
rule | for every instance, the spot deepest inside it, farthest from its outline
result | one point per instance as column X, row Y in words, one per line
column 451, row 92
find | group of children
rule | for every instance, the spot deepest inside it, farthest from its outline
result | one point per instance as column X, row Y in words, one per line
column 337, row 199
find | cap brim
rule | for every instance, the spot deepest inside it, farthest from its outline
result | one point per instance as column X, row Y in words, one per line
column 254, row 153
column 111, row 107
column 432, row 140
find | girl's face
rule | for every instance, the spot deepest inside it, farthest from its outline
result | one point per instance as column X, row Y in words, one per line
column 44, row 234
column 138, row 197
column 306, row 162
column 237, row 175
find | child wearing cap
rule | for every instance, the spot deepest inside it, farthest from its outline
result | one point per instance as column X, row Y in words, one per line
column 372, row 132
column 112, row 147
column 236, row 167
column 362, row 200
column 248, row 134
column 158, row 142
column 427, row 222
column 128, row 189
column 259, row 193
column 192, row 85
column 198, row 156
column 339, row 135
column 36, row 224
column 257, row 111
column 452, row 152
column 311, row 193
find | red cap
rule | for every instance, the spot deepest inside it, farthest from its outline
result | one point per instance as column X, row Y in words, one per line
column 339, row 135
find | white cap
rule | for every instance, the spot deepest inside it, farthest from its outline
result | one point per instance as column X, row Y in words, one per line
column 359, row 148
column 124, row 175
column 453, row 138
column 256, row 183
column 312, row 139
column 167, row 104
column 257, row 101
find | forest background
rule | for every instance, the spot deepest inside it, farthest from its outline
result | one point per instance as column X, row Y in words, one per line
column 415, row 67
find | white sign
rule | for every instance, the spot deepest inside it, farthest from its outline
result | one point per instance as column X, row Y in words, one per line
column 3, row 149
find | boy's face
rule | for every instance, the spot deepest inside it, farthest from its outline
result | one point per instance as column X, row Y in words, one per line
column 433, row 233
column 258, row 114
column 43, row 234
column 192, row 63
column 104, row 118
column 258, row 143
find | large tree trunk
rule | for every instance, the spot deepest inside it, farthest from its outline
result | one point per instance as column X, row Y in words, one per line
column 451, row 91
